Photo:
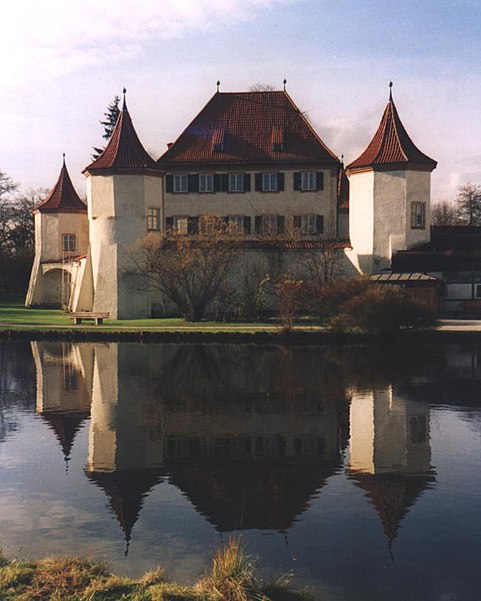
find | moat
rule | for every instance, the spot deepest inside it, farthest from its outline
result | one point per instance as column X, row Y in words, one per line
column 354, row 470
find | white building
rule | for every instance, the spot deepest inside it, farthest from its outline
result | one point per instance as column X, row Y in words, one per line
column 251, row 158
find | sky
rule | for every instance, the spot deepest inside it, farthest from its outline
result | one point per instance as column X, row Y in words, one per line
column 63, row 61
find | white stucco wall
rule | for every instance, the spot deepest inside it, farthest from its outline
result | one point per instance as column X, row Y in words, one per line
column 380, row 215
column 118, row 207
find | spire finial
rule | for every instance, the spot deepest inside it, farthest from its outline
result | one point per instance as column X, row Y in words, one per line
column 342, row 160
column 124, row 92
column 284, row 82
column 63, row 156
column 390, row 90
column 218, row 85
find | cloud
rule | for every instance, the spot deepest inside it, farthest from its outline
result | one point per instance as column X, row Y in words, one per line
column 52, row 38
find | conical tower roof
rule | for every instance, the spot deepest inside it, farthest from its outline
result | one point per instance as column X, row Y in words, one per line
column 392, row 146
column 63, row 198
column 124, row 152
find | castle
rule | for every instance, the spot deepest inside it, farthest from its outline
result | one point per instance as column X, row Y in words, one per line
column 251, row 158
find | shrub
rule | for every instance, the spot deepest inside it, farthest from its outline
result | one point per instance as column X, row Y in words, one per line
column 381, row 309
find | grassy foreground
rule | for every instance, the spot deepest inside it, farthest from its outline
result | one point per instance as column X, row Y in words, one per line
column 230, row 578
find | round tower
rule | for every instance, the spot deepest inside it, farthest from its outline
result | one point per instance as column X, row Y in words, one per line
column 124, row 189
column 390, row 189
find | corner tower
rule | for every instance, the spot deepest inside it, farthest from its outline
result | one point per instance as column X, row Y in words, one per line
column 124, row 187
column 390, row 189
column 61, row 238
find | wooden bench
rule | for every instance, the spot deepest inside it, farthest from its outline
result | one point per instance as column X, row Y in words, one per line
column 82, row 315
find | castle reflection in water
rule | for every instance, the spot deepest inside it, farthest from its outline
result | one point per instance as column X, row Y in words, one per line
column 249, row 437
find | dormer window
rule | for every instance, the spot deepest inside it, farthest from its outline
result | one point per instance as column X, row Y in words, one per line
column 277, row 138
column 218, row 140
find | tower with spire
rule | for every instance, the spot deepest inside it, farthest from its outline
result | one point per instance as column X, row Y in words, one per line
column 124, row 186
column 61, row 238
column 390, row 195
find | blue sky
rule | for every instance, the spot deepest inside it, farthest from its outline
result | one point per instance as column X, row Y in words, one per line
column 63, row 62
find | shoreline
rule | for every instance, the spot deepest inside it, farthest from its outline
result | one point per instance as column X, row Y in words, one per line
column 447, row 331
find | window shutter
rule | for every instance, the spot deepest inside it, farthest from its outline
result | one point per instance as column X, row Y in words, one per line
column 280, row 182
column 192, row 225
column 320, row 180
column 247, row 225
column 217, row 182
column 297, row 180
column 258, row 224
column 296, row 222
column 319, row 224
column 193, row 183
column 225, row 182
column 169, row 183
column 247, row 183
column 169, row 224
column 258, row 182
column 280, row 224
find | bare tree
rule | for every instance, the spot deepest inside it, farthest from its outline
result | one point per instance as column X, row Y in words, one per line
column 444, row 213
column 261, row 87
column 469, row 204
column 191, row 271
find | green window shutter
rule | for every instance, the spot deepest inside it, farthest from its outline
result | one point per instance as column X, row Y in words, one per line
column 296, row 222
column 192, row 225
column 258, row 182
column 225, row 182
column 193, row 183
column 247, row 224
column 217, row 182
column 169, row 183
column 280, row 224
column 297, row 180
column 319, row 224
column 258, row 224
column 280, row 182
column 320, row 180
column 247, row 183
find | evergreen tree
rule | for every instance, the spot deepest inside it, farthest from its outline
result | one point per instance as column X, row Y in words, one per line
column 111, row 116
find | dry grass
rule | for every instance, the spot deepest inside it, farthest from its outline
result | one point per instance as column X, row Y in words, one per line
column 231, row 578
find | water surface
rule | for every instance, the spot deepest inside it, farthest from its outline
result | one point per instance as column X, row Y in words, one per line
column 356, row 471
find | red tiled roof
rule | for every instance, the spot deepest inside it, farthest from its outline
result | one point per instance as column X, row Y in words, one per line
column 124, row 152
column 391, row 145
column 265, row 127
column 63, row 198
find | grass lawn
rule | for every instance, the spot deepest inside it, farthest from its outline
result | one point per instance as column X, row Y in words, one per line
column 14, row 315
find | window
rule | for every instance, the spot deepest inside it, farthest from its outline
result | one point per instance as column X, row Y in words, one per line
column 269, row 225
column 308, row 180
column 239, row 224
column 269, row 182
column 236, row 182
column 179, row 225
column 309, row 225
column 153, row 219
column 206, row 182
column 218, row 147
column 418, row 215
column 68, row 242
column 181, row 183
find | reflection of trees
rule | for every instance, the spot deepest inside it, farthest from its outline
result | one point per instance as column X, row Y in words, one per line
column 17, row 383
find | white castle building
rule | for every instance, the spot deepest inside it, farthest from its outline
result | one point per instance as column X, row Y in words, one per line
column 251, row 158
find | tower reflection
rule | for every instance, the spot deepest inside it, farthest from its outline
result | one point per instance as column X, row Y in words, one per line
column 390, row 452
